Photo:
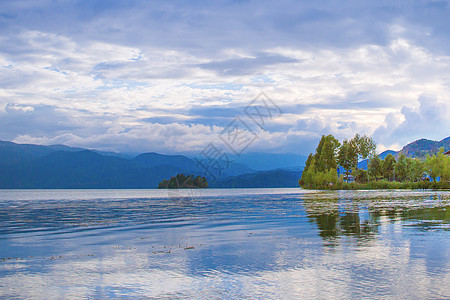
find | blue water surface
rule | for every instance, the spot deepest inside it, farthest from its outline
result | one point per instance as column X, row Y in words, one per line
column 224, row 243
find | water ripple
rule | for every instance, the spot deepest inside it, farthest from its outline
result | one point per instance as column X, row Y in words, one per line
column 262, row 243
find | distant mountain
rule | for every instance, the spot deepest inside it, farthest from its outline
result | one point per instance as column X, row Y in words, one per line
column 261, row 179
column 81, row 169
column 148, row 160
column 423, row 147
column 12, row 152
column 59, row 166
column 383, row 155
column 271, row 161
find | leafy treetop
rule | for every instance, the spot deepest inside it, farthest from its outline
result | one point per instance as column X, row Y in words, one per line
column 182, row 181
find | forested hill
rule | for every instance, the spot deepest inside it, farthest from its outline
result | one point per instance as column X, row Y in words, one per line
column 58, row 166
column 423, row 147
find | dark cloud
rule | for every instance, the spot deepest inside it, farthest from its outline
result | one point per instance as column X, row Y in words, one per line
column 214, row 25
column 246, row 66
column 216, row 111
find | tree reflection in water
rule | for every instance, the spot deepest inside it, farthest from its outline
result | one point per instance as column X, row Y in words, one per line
column 337, row 217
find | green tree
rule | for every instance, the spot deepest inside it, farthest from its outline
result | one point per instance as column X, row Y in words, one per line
column 200, row 182
column 348, row 156
column 331, row 178
column 416, row 169
column 163, row 184
column 322, row 180
column 318, row 165
column 366, row 147
column 446, row 175
column 375, row 167
column 309, row 161
column 388, row 167
column 326, row 153
column 306, row 180
column 436, row 165
column 401, row 168
column 362, row 176
column 182, row 181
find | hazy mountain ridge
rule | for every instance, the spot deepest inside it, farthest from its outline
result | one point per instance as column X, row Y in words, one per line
column 270, row 161
column 59, row 166
column 262, row 179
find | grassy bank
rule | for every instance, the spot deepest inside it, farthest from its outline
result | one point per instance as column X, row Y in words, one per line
column 390, row 185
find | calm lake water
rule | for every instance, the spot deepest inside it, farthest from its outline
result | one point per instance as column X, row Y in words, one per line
column 256, row 243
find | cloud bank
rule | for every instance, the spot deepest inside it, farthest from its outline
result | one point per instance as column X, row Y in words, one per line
column 169, row 77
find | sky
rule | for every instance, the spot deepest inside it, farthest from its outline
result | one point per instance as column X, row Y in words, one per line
column 175, row 76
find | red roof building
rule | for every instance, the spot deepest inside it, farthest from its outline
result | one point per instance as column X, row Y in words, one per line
column 447, row 153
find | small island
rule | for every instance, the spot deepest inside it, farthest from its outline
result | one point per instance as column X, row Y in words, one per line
column 182, row 181
column 335, row 166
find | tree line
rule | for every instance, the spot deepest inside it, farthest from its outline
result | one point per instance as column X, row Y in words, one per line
column 402, row 172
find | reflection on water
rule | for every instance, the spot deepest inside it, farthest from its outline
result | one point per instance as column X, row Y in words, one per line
column 262, row 243
column 356, row 214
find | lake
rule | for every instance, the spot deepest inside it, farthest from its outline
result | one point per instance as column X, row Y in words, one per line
column 224, row 243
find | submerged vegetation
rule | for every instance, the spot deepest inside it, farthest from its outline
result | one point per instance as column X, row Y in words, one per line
column 335, row 166
column 182, row 181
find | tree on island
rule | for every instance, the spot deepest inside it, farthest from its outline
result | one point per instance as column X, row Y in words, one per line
column 325, row 158
column 351, row 151
column 321, row 168
column 182, row 181
column 320, row 171
column 415, row 169
column 375, row 167
column 401, row 168
column 389, row 167
column 404, row 168
column 348, row 157
column 438, row 165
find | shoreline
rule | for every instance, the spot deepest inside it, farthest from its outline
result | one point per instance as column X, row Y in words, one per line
column 389, row 185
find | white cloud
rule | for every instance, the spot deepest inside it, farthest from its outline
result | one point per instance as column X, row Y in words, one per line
column 431, row 119
column 99, row 87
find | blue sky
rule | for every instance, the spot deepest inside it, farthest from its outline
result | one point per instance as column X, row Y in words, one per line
column 169, row 76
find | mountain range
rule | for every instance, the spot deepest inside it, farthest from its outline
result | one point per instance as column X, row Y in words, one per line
column 59, row 166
